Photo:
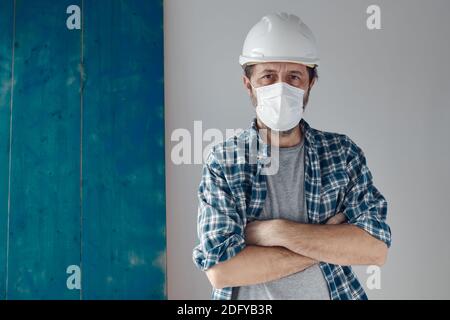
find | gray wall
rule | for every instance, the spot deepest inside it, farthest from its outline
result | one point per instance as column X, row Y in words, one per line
column 388, row 89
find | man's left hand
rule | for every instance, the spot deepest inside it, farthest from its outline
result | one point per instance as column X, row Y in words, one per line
column 264, row 232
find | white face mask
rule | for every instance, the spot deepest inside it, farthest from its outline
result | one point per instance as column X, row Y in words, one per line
column 279, row 105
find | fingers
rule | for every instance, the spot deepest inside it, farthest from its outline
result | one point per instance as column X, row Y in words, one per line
column 337, row 219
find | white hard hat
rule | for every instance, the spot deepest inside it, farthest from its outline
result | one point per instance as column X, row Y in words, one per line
column 279, row 37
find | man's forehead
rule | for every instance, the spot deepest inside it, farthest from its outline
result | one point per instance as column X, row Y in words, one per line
column 279, row 67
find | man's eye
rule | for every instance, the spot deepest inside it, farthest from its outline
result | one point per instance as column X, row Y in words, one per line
column 296, row 78
column 267, row 76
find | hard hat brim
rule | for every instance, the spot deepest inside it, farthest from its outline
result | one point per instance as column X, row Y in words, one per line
column 246, row 61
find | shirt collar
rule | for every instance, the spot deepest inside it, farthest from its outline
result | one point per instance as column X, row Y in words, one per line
column 264, row 148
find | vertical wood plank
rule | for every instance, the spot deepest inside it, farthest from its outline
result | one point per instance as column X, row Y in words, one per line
column 123, row 151
column 45, row 175
column 6, row 34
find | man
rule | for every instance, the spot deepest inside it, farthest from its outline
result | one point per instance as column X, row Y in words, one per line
column 292, row 233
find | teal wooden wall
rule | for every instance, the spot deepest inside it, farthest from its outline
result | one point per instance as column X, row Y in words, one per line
column 82, row 150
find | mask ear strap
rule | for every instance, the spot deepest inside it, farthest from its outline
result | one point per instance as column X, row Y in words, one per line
column 251, row 86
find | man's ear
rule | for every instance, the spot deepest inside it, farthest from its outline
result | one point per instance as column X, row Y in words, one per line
column 247, row 85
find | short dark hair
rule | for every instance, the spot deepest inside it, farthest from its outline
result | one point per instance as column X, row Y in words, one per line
column 312, row 72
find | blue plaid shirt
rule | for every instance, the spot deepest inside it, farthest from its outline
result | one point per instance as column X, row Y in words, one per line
column 233, row 189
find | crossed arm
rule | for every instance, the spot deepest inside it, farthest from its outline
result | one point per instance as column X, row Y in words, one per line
column 278, row 248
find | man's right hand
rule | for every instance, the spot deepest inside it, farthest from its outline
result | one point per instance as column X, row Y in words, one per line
column 337, row 219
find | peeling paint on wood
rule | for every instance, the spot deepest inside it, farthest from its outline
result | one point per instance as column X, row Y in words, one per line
column 85, row 171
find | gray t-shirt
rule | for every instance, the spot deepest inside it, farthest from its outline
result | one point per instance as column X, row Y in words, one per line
column 285, row 199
